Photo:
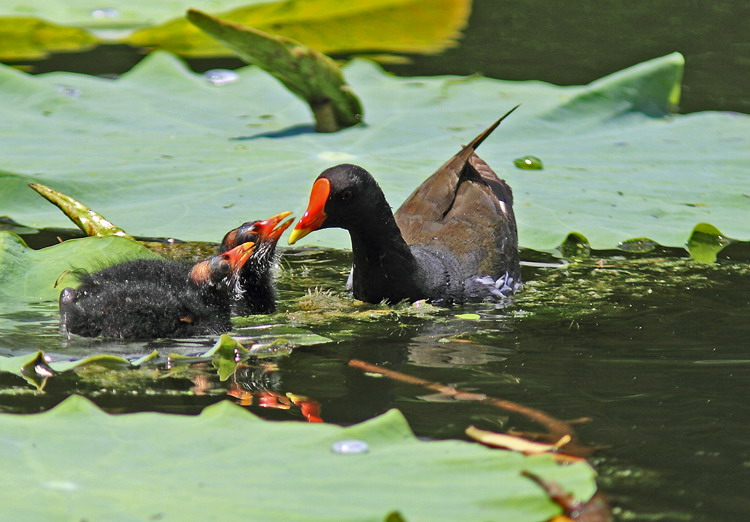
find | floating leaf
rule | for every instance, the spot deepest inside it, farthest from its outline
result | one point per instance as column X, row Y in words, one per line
column 706, row 242
column 511, row 442
column 309, row 74
column 275, row 339
column 109, row 465
column 37, row 368
column 35, row 275
column 33, row 38
column 471, row 317
column 575, row 246
column 327, row 25
column 226, row 354
column 617, row 166
column 528, row 163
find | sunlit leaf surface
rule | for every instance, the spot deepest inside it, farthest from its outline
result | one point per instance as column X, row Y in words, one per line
column 28, row 275
column 147, row 465
column 163, row 152
column 308, row 73
column 32, row 38
column 30, row 30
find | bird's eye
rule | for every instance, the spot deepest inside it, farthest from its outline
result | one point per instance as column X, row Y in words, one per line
column 250, row 234
column 220, row 267
column 346, row 195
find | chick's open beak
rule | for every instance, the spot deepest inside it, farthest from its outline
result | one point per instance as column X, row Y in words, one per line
column 272, row 228
column 239, row 255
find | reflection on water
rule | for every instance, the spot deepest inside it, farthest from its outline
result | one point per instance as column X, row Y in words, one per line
column 441, row 352
column 652, row 349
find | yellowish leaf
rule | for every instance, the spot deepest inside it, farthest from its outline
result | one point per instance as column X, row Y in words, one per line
column 511, row 442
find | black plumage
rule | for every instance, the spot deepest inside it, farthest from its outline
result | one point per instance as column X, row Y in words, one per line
column 453, row 240
column 256, row 277
column 146, row 299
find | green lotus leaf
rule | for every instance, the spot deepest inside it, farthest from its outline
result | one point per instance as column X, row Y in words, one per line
column 36, row 368
column 77, row 462
column 706, row 242
column 28, row 275
column 262, row 342
column 308, row 73
column 117, row 14
column 329, row 26
column 163, row 152
column 33, row 38
column 31, row 30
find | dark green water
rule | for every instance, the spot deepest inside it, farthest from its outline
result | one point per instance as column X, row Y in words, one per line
column 653, row 349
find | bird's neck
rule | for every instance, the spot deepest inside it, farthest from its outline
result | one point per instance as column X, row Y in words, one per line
column 383, row 263
column 213, row 293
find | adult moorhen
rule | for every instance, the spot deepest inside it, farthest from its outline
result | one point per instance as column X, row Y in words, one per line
column 256, row 279
column 149, row 298
column 453, row 240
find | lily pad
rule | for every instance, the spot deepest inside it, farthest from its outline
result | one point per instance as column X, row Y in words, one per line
column 226, row 354
column 706, row 242
column 308, row 73
column 39, row 275
column 178, row 156
column 30, row 30
column 26, row 37
column 110, row 466
column 37, row 368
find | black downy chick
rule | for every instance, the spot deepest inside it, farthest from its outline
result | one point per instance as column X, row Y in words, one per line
column 256, row 279
column 146, row 299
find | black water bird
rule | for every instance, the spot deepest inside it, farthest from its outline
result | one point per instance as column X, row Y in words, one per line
column 453, row 240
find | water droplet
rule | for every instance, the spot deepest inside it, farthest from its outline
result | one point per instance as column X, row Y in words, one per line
column 528, row 163
column 105, row 12
column 70, row 92
column 350, row 447
column 221, row 76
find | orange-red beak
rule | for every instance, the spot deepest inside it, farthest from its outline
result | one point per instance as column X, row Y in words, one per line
column 271, row 229
column 239, row 255
column 315, row 215
column 268, row 229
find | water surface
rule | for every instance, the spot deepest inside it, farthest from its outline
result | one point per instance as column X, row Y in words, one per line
column 653, row 350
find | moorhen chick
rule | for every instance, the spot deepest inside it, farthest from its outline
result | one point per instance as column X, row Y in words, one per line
column 256, row 279
column 453, row 240
column 150, row 298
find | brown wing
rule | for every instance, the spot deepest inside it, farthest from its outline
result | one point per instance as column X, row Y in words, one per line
column 465, row 208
